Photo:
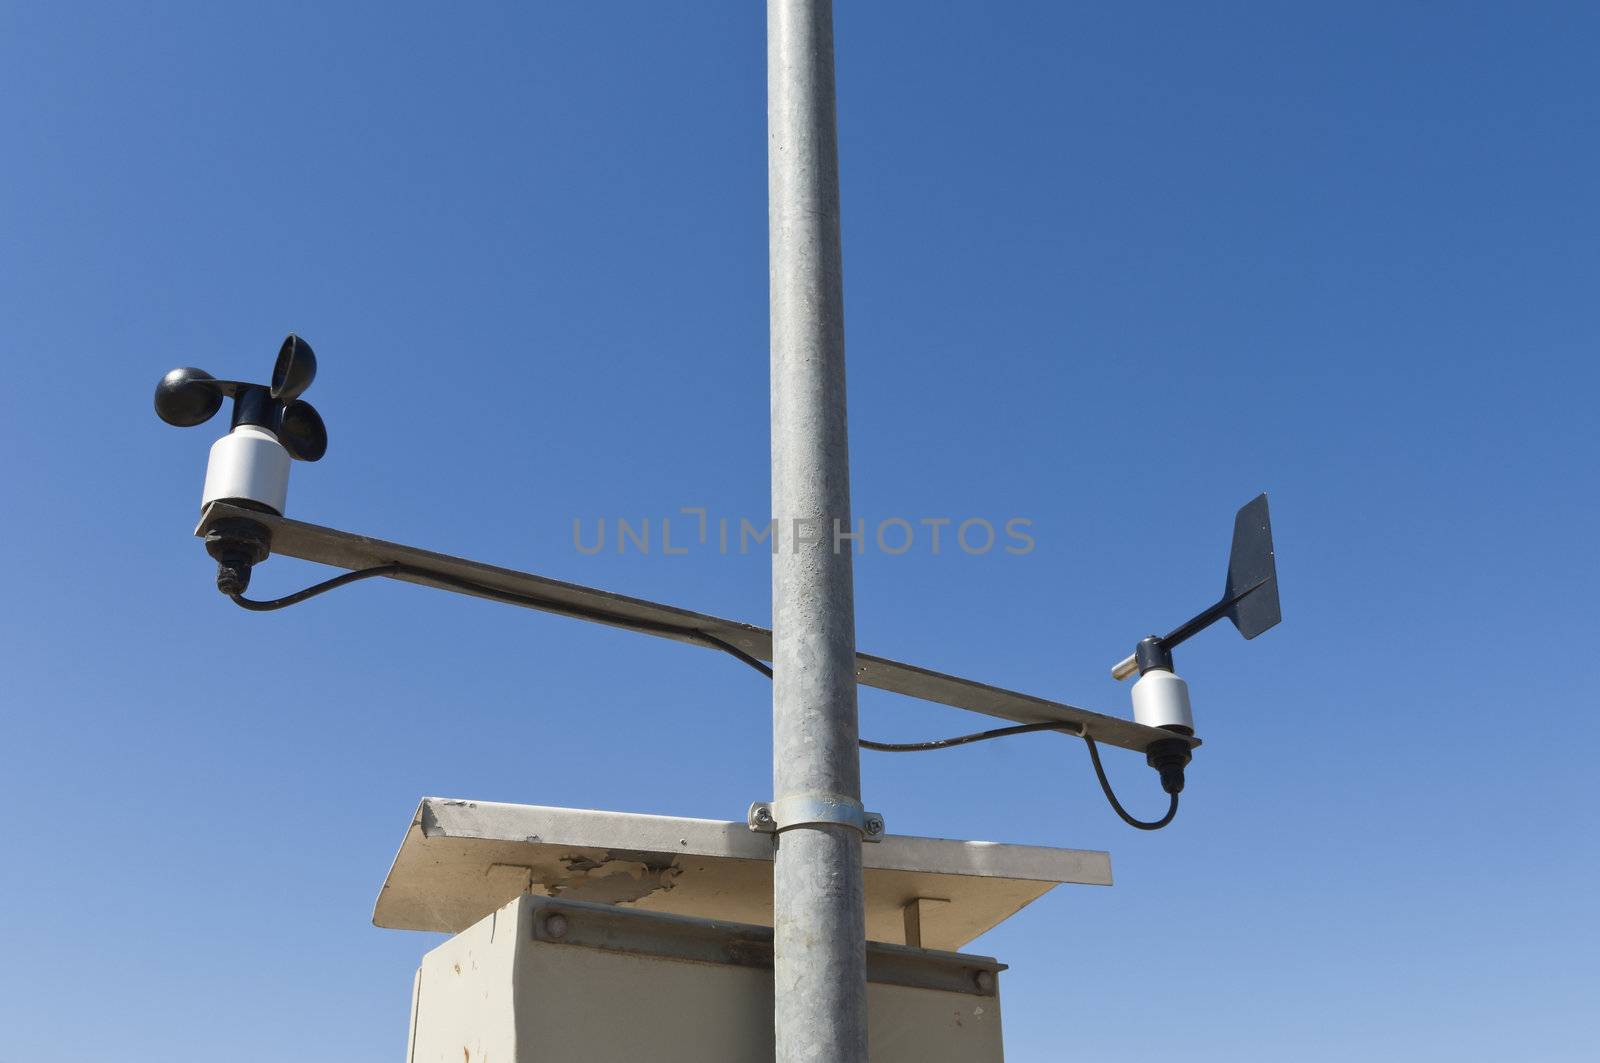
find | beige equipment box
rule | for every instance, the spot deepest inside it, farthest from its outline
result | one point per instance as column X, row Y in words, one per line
column 611, row 936
column 542, row 980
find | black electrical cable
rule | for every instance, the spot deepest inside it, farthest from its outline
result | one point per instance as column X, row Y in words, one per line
column 1105, row 786
column 473, row 587
column 977, row 736
column 311, row 592
column 735, row 652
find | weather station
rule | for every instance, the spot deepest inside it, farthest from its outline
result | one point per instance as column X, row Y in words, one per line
column 807, row 926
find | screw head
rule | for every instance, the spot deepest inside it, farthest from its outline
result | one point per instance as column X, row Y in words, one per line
column 984, row 980
column 555, row 925
column 763, row 815
column 874, row 825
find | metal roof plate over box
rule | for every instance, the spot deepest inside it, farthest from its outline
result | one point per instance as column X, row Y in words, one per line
column 462, row 860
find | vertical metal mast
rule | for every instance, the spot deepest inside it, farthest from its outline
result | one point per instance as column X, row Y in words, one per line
column 820, row 931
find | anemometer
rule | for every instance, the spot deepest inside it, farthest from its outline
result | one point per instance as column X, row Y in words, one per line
column 246, row 489
column 249, row 466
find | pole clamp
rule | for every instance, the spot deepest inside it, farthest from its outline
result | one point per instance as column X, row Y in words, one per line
column 810, row 810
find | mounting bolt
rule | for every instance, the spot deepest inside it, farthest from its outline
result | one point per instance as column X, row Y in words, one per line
column 555, row 925
column 874, row 825
column 763, row 815
column 984, row 981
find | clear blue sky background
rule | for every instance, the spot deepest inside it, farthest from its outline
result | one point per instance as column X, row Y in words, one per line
column 1111, row 268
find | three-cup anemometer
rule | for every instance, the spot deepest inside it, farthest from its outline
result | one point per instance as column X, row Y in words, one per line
column 247, row 483
column 250, row 465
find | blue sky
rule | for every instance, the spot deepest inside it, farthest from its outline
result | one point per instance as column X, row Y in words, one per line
column 1113, row 269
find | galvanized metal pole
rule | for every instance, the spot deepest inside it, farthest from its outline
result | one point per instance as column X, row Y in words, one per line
column 820, row 931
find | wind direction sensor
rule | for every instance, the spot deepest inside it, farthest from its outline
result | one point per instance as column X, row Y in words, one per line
column 1249, row 599
column 249, row 467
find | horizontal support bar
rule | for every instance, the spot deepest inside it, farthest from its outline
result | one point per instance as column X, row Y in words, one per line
column 556, row 922
column 309, row 542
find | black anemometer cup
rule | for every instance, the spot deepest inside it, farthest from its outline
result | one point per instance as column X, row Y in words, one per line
column 187, row 397
column 294, row 370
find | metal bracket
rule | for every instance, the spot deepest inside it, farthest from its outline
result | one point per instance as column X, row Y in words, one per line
column 806, row 810
column 557, row 923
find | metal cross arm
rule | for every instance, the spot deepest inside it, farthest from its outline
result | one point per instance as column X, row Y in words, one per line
column 339, row 549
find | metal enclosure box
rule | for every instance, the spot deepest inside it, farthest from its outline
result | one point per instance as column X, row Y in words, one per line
column 543, row 980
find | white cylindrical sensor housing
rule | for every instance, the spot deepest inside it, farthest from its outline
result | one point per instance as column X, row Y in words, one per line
column 1161, row 699
column 248, row 465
